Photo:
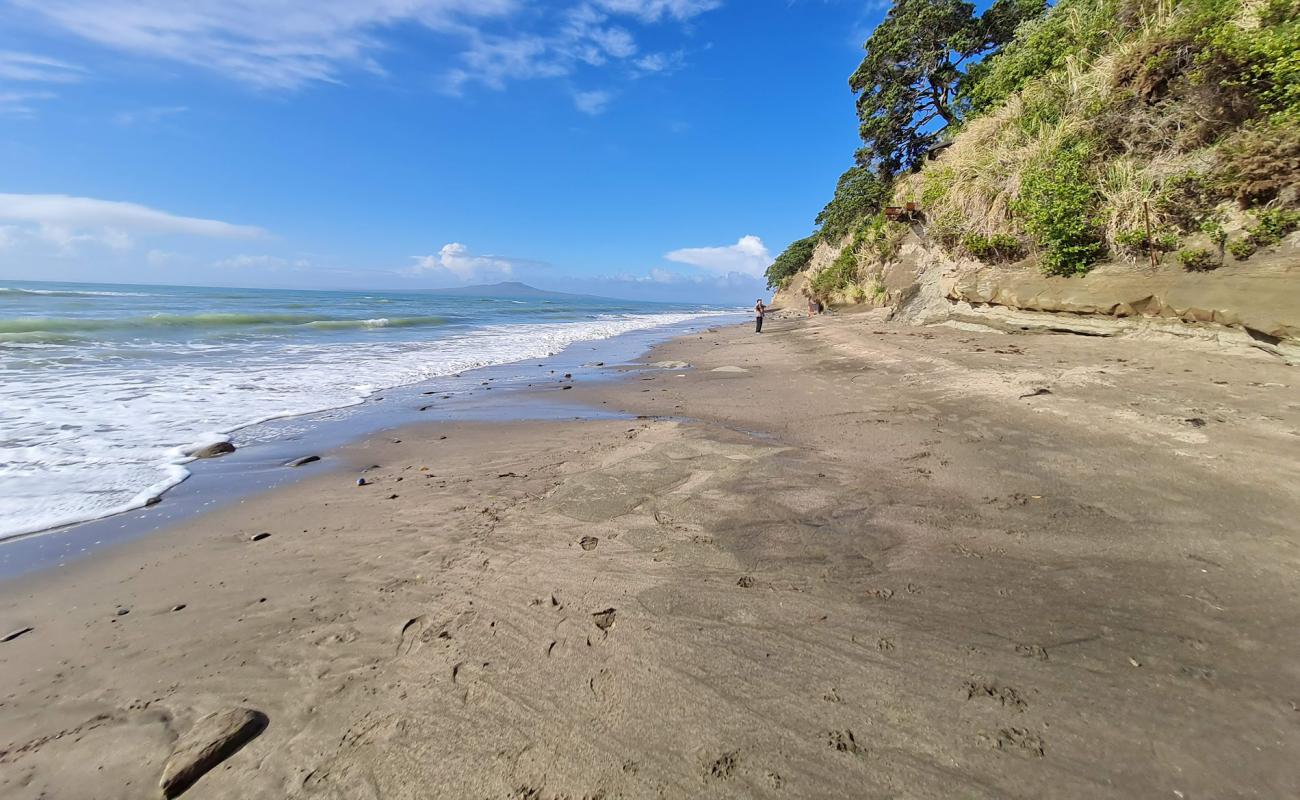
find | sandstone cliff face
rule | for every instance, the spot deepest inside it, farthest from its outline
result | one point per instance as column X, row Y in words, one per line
column 1255, row 304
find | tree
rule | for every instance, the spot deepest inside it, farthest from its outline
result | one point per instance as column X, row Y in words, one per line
column 907, row 84
column 858, row 194
column 793, row 260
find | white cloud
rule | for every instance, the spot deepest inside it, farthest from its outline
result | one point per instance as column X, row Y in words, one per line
column 244, row 261
column 15, row 66
column 66, row 222
column 19, row 104
column 288, row 44
column 654, row 10
column 593, row 102
column 456, row 259
column 75, row 213
column 148, row 116
column 748, row 256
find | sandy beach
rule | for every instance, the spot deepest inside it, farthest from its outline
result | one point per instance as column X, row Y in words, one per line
column 841, row 559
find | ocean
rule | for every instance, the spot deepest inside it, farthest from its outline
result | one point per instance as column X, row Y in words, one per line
column 104, row 389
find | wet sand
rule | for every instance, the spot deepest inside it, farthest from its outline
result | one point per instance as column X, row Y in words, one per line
column 840, row 559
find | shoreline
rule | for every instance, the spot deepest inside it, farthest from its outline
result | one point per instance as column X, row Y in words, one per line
column 265, row 447
column 835, row 560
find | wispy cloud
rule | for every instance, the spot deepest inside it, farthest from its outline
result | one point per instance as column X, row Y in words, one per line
column 289, row 44
column 29, row 67
column 148, row 116
column 748, row 256
column 66, row 222
column 593, row 102
column 21, row 104
column 21, row 70
column 246, row 261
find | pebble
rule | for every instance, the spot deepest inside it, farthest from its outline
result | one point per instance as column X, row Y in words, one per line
column 298, row 462
column 257, row 537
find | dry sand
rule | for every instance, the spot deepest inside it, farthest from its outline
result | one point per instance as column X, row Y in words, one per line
column 860, row 561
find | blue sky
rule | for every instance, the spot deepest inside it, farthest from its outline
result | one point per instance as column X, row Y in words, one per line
column 664, row 149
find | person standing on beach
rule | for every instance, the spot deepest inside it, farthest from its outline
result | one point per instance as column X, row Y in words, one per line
column 759, row 311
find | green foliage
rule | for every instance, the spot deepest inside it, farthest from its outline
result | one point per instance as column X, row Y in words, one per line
column 1040, row 46
column 1213, row 228
column 1199, row 260
column 947, row 231
column 1000, row 247
column 936, row 181
column 1057, row 206
column 909, row 77
column 881, row 238
column 795, row 259
column 1186, row 198
column 1241, row 249
column 858, row 194
column 840, row 273
column 1272, row 224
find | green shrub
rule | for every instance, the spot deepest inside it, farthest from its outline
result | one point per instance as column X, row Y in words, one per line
column 1241, row 249
column 1000, row 247
column 1199, row 260
column 794, row 260
column 839, row 274
column 1058, row 205
column 935, row 183
column 1272, row 225
column 1213, row 228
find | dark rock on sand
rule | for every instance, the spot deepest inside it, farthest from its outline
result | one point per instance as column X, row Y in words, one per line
column 589, row 542
column 257, row 537
column 152, row 501
column 213, row 450
column 213, row 739
column 298, row 462
column 11, row 635
column 604, row 619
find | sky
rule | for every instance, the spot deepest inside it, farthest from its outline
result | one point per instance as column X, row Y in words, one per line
column 652, row 149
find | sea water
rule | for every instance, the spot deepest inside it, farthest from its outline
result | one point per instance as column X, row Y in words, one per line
column 105, row 390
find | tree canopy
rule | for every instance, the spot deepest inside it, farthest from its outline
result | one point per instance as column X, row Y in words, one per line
column 859, row 193
column 793, row 260
column 908, row 83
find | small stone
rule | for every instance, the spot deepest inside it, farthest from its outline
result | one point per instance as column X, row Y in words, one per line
column 178, row 607
column 213, row 739
column 122, row 612
column 604, row 619
column 361, row 481
column 213, row 450
column 298, row 462
column 152, row 501
column 257, row 537
column 589, row 542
